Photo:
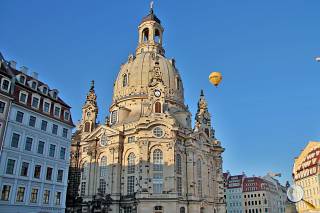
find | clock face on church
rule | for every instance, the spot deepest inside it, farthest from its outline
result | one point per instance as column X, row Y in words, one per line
column 157, row 93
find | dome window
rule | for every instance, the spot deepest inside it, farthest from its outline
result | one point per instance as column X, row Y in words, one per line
column 125, row 80
column 145, row 35
column 157, row 107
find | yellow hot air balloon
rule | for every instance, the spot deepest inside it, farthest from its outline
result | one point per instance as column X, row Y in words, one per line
column 215, row 78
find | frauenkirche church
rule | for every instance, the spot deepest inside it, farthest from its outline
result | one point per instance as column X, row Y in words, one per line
column 146, row 157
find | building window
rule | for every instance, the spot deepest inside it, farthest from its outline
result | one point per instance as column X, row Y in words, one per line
column 158, row 132
column 44, row 125
column 15, row 140
column 10, row 166
column 40, row 147
column 22, row 79
column 34, row 196
column 52, row 150
column 182, row 210
column 2, row 106
column 65, row 133
column 45, row 90
column 57, row 111
column 37, row 171
column 35, row 102
column 84, row 170
column 83, row 189
column 157, row 160
column 23, row 97
column 58, row 198
column 157, row 107
column 114, row 116
column 46, row 196
column 179, row 186
column 125, row 80
column 178, row 164
column 87, row 127
column 5, row 194
column 54, row 129
column 199, row 175
column 62, row 153
column 19, row 117
column 24, row 169
column 49, row 173
column 34, row 85
column 28, row 145
column 20, row 194
column 127, row 209
column 32, row 121
column 66, row 116
column 103, row 167
column 46, row 107
column 131, row 163
column 102, row 186
column 157, row 171
column 5, row 85
column 131, row 139
column 60, row 175
column 130, row 185
column 158, row 209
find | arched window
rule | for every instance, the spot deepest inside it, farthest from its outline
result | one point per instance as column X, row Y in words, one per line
column 182, row 210
column 87, row 127
column 125, row 80
column 103, row 167
column 178, row 164
column 157, row 107
column 201, row 210
column 131, row 163
column 84, row 170
column 199, row 175
column 157, row 37
column 145, row 35
column 158, row 209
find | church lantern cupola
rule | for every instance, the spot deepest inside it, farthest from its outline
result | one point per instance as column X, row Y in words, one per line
column 150, row 34
column 89, row 110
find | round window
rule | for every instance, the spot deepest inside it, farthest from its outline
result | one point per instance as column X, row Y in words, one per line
column 158, row 132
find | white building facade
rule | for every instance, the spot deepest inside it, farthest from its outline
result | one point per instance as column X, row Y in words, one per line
column 36, row 149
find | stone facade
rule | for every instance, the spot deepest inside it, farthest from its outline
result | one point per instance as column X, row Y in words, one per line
column 146, row 157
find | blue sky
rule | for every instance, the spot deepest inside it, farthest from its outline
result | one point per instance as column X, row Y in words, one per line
column 265, row 110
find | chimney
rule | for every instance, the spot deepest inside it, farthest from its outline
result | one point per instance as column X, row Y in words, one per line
column 24, row 69
column 34, row 75
column 13, row 64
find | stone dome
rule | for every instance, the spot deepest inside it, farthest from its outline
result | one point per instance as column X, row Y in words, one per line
column 136, row 75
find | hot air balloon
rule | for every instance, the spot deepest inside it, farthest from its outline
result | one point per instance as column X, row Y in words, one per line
column 215, row 78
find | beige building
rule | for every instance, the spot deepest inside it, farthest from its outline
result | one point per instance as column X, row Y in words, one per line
column 147, row 157
column 306, row 173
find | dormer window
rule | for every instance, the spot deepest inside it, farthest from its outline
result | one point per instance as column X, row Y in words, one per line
column 22, row 79
column 45, row 90
column 66, row 115
column 125, row 80
column 54, row 95
column 34, row 85
column 5, row 84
